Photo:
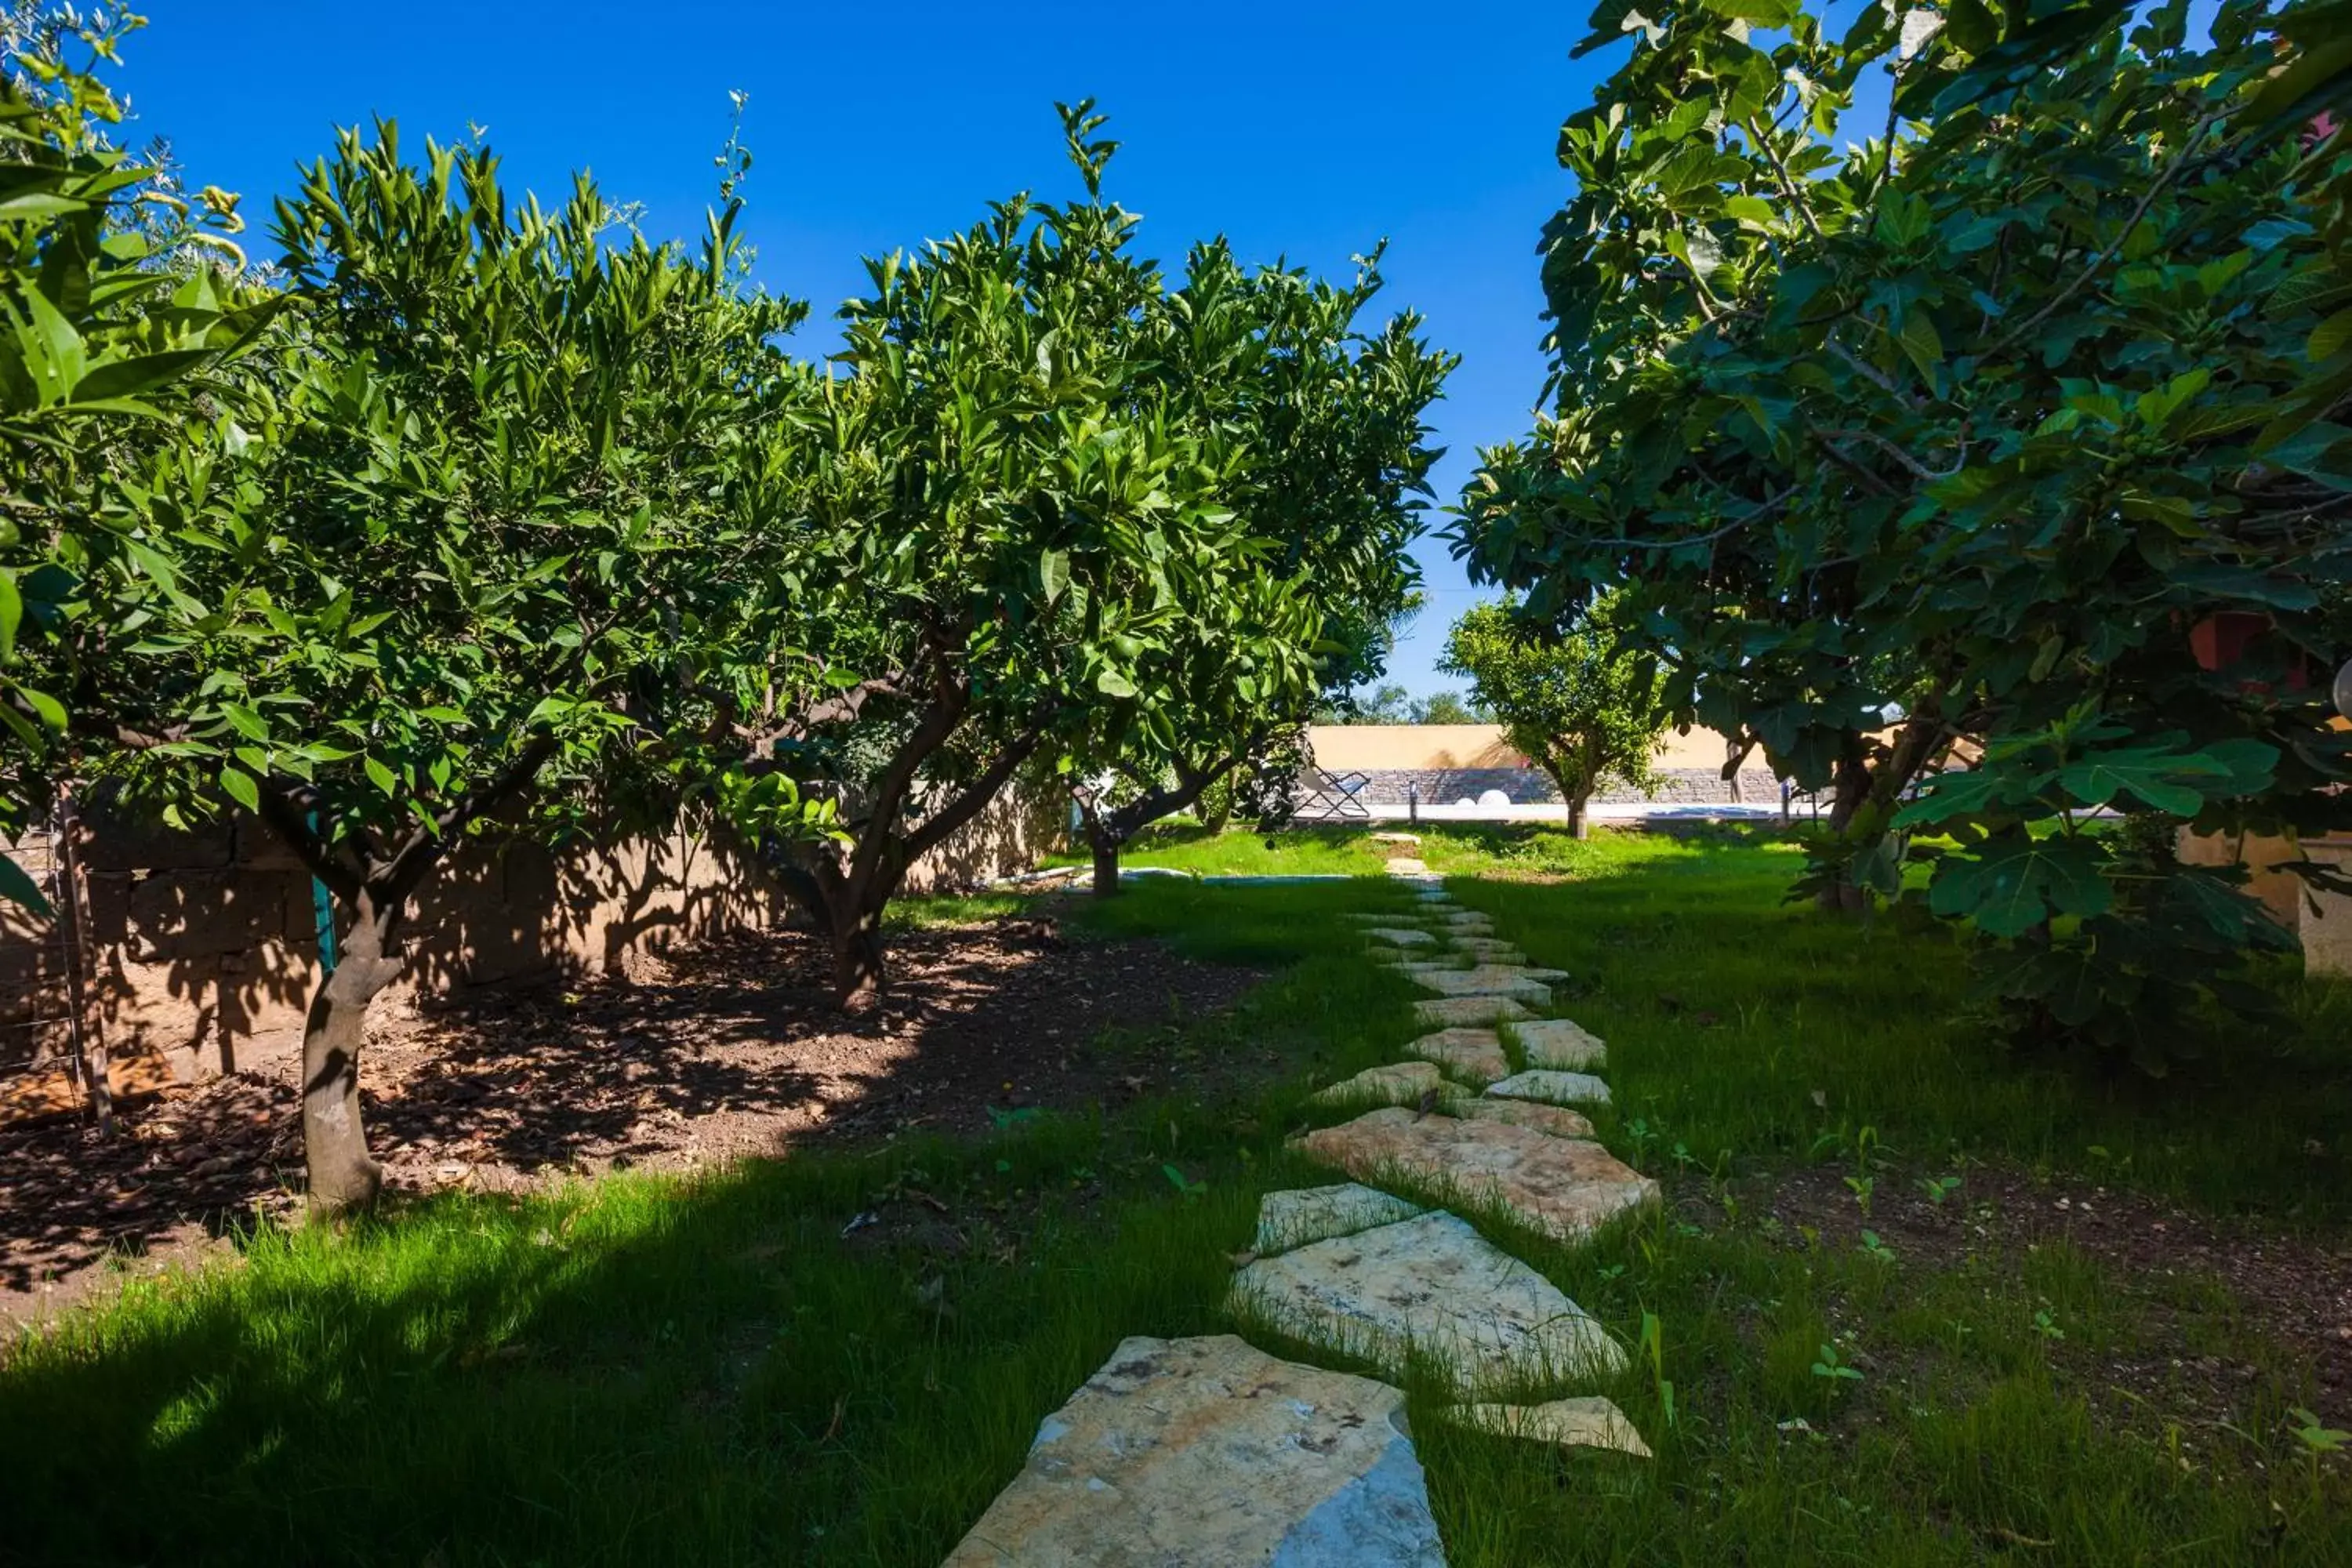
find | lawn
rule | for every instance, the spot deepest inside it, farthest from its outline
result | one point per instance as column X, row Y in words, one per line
column 1835, row 1365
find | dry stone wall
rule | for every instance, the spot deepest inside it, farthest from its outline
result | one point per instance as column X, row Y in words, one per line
column 1532, row 787
column 203, row 947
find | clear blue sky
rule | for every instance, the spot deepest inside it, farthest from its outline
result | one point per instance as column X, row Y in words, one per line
column 1302, row 130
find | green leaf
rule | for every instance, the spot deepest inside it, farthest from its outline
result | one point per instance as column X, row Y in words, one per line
column 1111, row 683
column 2330, row 336
column 239, row 787
column 2159, row 776
column 2018, row 881
column 1922, row 342
column 131, row 377
column 1971, row 792
column 1053, row 572
column 381, row 776
column 50, row 711
column 12, row 612
column 245, row 721
column 17, row 886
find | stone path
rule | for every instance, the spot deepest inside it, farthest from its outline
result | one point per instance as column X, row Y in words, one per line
column 1208, row 1451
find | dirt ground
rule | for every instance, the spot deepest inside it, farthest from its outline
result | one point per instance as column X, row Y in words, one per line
column 2294, row 1291
column 732, row 1050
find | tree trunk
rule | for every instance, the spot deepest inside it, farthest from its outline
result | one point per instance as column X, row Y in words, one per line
column 1105, row 867
column 1580, row 825
column 858, row 976
column 1850, row 789
column 334, row 1142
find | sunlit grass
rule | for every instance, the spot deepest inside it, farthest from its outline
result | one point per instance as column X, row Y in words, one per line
column 646, row 1369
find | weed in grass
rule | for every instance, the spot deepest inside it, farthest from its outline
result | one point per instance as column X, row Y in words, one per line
column 1654, row 1348
column 1826, row 1364
column 1189, row 1189
column 1939, row 1188
column 1874, row 1250
column 2317, row 1439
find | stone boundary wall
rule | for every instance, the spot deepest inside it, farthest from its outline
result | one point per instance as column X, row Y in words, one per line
column 1533, row 786
column 204, row 951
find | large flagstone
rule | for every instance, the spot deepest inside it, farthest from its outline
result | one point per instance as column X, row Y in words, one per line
column 1447, row 1012
column 1479, row 979
column 1406, row 865
column 1294, row 1219
column 1555, row 1087
column 1587, row 1423
column 1565, row 1187
column 1556, row 1119
column 1475, row 1053
column 1558, row 1042
column 1397, row 1083
column 1205, row 1453
column 1430, row 1285
column 1401, row 936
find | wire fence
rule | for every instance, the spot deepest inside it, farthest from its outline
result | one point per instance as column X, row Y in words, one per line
column 53, row 1036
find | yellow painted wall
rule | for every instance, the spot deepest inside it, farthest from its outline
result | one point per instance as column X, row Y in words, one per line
column 1372, row 748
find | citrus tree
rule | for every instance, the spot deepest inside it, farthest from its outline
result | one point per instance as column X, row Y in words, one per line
column 1327, row 489
column 1026, row 533
column 1998, row 419
column 120, row 296
column 1580, row 705
column 477, row 525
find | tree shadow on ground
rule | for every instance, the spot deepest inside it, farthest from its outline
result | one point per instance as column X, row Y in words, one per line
column 833, row 1358
column 731, row 1048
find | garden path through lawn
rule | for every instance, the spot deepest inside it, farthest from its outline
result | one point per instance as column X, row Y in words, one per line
column 1209, row 1450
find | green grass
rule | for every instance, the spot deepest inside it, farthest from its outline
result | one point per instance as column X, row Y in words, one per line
column 647, row 1370
column 1306, row 851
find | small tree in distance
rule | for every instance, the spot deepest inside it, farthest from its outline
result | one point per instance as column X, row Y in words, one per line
column 1581, row 709
column 1445, row 708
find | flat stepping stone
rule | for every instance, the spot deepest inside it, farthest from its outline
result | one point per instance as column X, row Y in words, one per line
column 1397, row 1083
column 1154, row 873
column 1556, row 1119
column 1294, row 1219
column 1490, row 949
column 1474, row 1053
column 1402, row 936
column 1449, row 1011
column 1406, row 865
column 1396, row 838
column 1556, row 1088
column 1558, row 1042
column 1203, row 1453
column 1467, row 921
column 1481, row 980
column 1564, row 1187
column 1587, row 1423
column 1430, row 1286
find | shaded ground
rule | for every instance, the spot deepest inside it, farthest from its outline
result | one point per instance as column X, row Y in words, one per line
column 2188, row 1294
column 734, row 1049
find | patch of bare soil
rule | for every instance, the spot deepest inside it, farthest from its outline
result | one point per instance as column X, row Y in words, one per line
column 732, row 1050
column 2295, row 1291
